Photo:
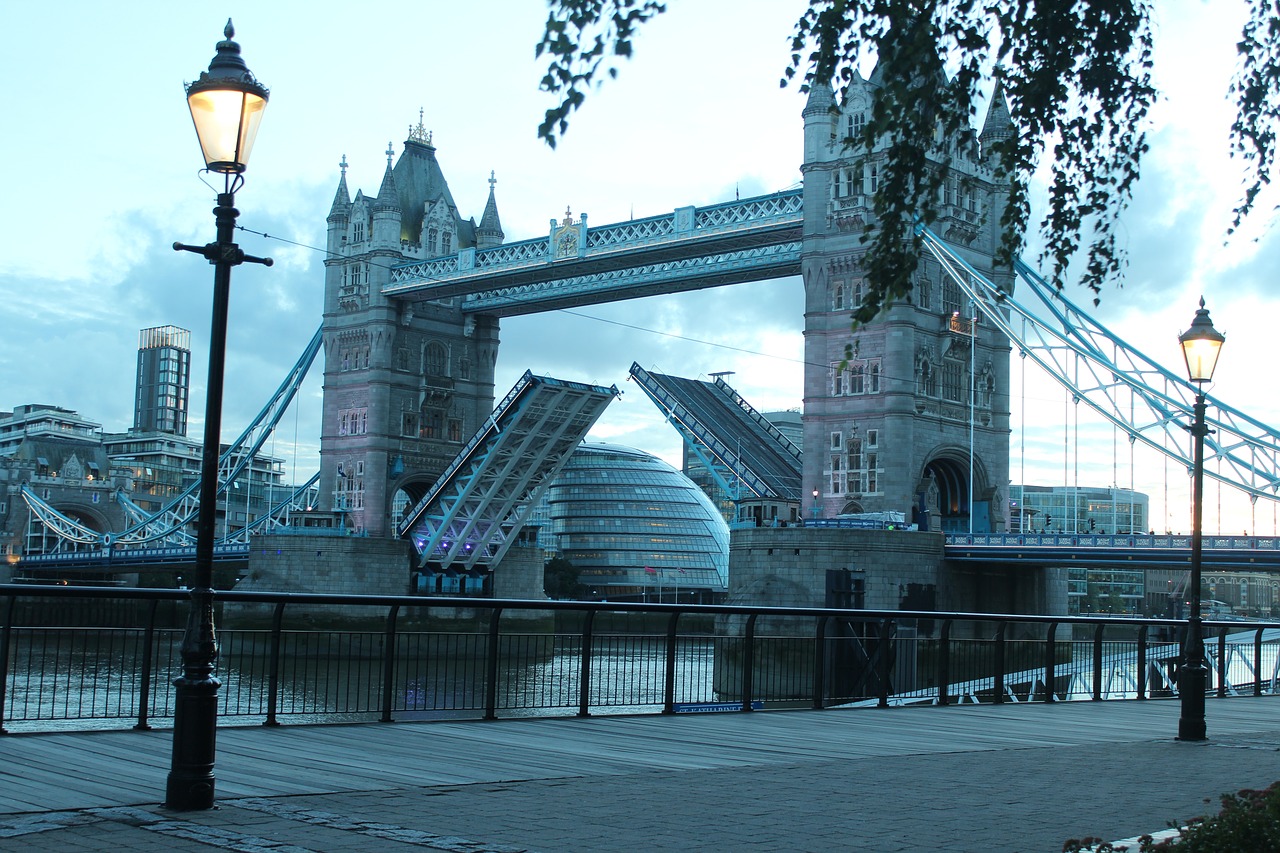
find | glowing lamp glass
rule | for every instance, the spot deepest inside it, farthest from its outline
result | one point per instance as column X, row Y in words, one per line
column 226, row 123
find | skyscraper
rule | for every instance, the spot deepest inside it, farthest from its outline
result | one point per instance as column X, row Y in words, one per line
column 164, row 377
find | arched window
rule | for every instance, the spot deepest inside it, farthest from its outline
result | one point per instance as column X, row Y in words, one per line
column 435, row 360
column 838, row 300
column 433, row 236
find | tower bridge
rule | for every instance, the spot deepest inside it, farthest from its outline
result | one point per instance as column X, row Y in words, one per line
column 909, row 414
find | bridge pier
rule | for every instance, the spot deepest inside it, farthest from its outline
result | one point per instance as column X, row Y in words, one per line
column 893, row 569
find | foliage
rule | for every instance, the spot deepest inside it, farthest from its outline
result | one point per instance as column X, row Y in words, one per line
column 1075, row 75
column 560, row 579
column 1249, row 822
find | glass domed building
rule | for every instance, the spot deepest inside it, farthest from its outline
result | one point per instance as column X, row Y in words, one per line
column 636, row 528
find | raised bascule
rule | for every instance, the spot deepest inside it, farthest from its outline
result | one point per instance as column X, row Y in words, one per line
column 908, row 415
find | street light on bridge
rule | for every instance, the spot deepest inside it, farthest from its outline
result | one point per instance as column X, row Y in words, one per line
column 1201, row 345
column 226, row 104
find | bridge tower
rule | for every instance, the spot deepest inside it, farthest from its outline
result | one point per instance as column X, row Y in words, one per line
column 909, row 413
column 405, row 382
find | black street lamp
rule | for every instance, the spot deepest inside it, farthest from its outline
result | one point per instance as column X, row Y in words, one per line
column 1200, row 347
column 226, row 105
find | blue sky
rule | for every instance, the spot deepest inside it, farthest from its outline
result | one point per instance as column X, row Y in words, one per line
column 101, row 174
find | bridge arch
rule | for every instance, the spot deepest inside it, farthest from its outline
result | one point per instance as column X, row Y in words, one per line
column 945, row 491
column 406, row 491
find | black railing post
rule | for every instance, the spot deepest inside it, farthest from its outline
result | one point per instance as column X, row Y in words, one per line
column 1222, row 663
column 491, row 665
column 1001, row 629
column 1257, row 662
column 669, row 685
column 1141, row 662
column 944, row 663
column 820, row 664
column 5, row 634
column 885, row 660
column 1050, row 661
column 748, row 660
column 144, row 686
column 1097, row 662
column 273, row 665
column 389, row 662
column 584, row 672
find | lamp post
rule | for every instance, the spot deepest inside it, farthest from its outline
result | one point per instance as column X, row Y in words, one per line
column 226, row 104
column 815, row 503
column 1200, row 347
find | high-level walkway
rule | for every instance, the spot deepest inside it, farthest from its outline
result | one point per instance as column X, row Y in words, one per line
column 1014, row 777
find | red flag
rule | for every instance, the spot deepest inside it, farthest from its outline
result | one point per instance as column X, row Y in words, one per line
column 650, row 571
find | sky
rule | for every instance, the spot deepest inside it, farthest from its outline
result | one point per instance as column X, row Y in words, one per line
column 102, row 173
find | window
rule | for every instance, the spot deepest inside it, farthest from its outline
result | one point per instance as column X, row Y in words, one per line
column 873, row 438
column 435, row 359
column 837, row 380
column 871, row 179
column 856, row 385
column 433, row 238
column 432, row 424
column 409, row 424
column 446, row 243
column 873, row 377
column 953, row 381
column 837, row 440
column 455, row 430
column 353, row 421
column 837, row 303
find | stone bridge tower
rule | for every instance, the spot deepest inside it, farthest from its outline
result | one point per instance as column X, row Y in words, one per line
column 916, row 419
column 405, row 383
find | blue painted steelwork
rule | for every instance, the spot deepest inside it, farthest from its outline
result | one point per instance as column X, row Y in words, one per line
column 169, row 525
column 474, row 512
column 735, row 442
column 104, row 558
column 1150, row 403
column 743, row 240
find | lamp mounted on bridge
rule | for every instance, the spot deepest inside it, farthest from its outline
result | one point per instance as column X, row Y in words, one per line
column 226, row 104
column 1201, row 345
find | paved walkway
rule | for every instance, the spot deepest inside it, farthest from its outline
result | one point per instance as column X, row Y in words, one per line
column 1008, row 778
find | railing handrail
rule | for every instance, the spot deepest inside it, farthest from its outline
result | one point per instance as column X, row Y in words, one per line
column 812, row 660
column 38, row 591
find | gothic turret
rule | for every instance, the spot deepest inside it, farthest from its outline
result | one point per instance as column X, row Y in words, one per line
column 340, row 210
column 386, row 208
column 490, row 231
column 998, row 125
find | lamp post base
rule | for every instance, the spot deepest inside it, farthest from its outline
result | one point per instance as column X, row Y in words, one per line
column 1191, row 682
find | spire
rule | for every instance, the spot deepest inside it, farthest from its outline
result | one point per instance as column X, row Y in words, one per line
column 388, row 195
column 998, row 125
column 490, row 230
column 342, row 198
column 821, row 99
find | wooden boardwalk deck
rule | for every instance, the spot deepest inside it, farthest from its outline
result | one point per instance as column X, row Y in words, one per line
column 53, row 772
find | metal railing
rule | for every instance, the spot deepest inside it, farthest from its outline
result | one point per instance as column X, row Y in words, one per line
column 85, row 657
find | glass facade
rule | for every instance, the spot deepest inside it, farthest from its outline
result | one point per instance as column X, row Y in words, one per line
column 164, row 377
column 635, row 527
column 1077, row 509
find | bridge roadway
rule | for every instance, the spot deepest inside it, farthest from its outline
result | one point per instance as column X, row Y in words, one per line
column 1138, row 551
column 1259, row 553
column 960, row 778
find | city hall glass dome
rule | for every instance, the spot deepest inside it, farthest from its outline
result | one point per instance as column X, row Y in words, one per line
column 634, row 526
